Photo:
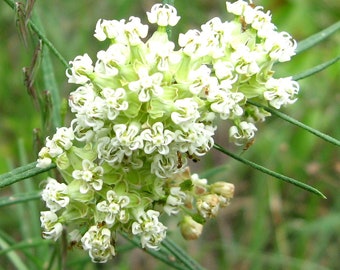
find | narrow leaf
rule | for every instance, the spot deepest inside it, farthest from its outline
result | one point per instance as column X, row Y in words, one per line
column 315, row 69
column 22, row 173
column 181, row 255
column 270, row 172
column 166, row 258
column 291, row 120
column 317, row 38
column 20, row 198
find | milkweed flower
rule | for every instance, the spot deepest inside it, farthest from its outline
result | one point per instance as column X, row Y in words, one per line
column 50, row 224
column 146, row 107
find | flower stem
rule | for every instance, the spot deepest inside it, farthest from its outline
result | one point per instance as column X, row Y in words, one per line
column 169, row 28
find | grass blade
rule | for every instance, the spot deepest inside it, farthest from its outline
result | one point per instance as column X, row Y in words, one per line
column 291, row 120
column 51, row 85
column 50, row 82
column 315, row 69
column 12, row 256
column 25, row 244
column 270, row 172
column 22, row 173
column 317, row 38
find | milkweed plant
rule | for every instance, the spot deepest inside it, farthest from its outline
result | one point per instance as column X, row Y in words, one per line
column 143, row 109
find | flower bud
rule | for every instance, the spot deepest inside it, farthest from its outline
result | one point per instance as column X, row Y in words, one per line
column 224, row 189
column 190, row 229
column 208, row 205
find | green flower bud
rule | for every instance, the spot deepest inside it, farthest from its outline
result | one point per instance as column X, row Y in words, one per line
column 62, row 161
column 75, row 194
column 190, row 229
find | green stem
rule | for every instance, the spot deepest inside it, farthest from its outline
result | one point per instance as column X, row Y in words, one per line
column 297, row 123
column 169, row 28
column 270, row 172
column 168, row 2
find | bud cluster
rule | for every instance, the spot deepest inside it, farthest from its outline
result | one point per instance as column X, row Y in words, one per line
column 143, row 109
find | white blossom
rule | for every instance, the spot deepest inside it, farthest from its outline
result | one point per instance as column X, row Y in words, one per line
column 44, row 159
column 163, row 15
column 164, row 166
column 157, row 139
column 80, row 70
column 280, row 46
column 150, row 229
column 135, row 30
column 52, row 228
column 226, row 103
column 55, row 195
column 115, row 101
column 111, row 29
column 281, row 91
column 128, row 136
column 90, row 176
column 174, row 201
column 113, row 208
column 147, row 85
column 97, row 240
column 242, row 133
column 163, row 54
column 186, row 111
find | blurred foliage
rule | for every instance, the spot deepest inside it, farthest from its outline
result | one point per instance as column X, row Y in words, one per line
column 269, row 225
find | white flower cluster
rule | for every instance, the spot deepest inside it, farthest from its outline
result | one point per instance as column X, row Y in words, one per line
column 143, row 109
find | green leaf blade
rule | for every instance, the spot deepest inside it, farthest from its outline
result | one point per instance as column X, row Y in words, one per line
column 20, row 198
column 317, row 38
column 270, row 172
column 291, row 120
column 22, row 173
column 315, row 69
